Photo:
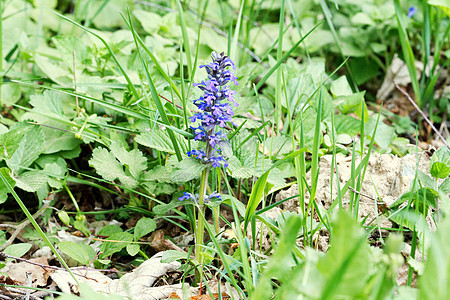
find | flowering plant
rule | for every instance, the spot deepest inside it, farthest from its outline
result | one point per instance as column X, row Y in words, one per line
column 214, row 116
column 213, row 111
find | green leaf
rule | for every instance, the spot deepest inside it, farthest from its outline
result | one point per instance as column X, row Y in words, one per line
column 187, row 169
column 435, row 281
column 282, row 258
column 133, row 249
column 29, row 149
column 445, row 186
column 3, row 189
column 17, row 250
column 57, row 140
column 173, row 255
column 440, row 170
column 383, row 136
column 255, row 198
column 9, row 142
column 107, row 166
column 31, row 181
column 237, row 170
column 440, row 163
column 134, row 160
column 119, row 240
column 353, row 104
column 346, row 266
column 109, row 230
column 160, row 140
column 82, row 253
column 143, row 227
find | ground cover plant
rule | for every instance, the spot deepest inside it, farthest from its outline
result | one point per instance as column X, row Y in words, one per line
column 224, row 149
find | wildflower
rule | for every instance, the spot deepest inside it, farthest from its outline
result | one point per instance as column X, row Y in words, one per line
column 189, row 196
column 214, row 112
column 412, row 11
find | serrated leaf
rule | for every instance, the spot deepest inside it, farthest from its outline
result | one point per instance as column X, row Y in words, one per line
column 82, row 253
column 143, row 227
column 107, row 166
column 134, row 159
column 29, row 149
column 118, row 240
column 17, row 250
column 187, row 169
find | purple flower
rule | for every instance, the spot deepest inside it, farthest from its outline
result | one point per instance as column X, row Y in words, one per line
column 187, row 196
column 213, row 112
column 412, row 11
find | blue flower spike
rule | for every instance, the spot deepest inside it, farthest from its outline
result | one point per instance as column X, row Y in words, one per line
column 215, row 112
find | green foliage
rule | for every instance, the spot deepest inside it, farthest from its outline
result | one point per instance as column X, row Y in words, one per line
column 82, row 253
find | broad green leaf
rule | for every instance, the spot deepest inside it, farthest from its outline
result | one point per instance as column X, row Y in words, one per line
column 158, row 188
column 31, row 181
column 340, row 87
column 107, row 166
column 346, row 265
column 187, row 169
column 162, row 209
column 133, row 249
column 383, row 136
column 173, row 255
column 82, row 253
column 435, row 281
column 157, row 173
column 3, row 189
column 440, row 163
column 352, row 104
column 109, row 230
column 282, row 258
column 9, row 142
column 57, row 140
column 158, row 139
column 29, row 149
column 143, row 227
column 440, row 170
column 237, row 170
column 17, row 250
column 134, row 160
column 445, row 186
column 119, row 240
column 48, row 103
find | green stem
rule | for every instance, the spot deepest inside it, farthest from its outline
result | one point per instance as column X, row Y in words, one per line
column 200, row 231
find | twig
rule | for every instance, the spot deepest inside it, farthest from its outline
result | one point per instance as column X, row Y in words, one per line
column 422, row 113
column 361, row 193
column 4, row 256
column 22, row 226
